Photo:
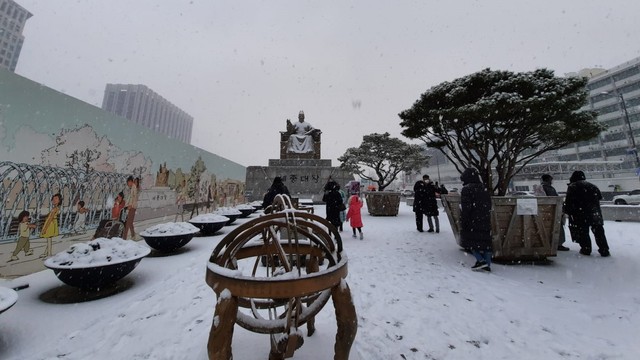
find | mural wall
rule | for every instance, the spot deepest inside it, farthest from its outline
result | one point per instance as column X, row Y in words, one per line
column 51, row 143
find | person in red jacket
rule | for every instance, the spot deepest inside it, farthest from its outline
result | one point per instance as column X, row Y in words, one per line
column 354, row 216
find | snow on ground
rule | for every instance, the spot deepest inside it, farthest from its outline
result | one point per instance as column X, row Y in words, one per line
column 414, row 293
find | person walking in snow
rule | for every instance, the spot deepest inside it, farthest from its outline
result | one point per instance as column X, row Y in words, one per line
column 354, row 215
column 548, row 190
column 420, row 201
column 343, row 213
column 277, row 187
column 475, row 219
column 333, row 202
column 582, row 205
column 431, row 205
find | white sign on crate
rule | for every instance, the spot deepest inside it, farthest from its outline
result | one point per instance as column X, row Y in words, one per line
column 527, row 206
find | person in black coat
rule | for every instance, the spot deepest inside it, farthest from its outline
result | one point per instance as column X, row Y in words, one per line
column 420, row 201
column 475, row 219
column 333, row 202
column 549, row 190
column 431, row 206
column 582, row 204
column 277, row 187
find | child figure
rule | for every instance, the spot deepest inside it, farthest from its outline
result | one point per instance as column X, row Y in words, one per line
column 50, row 227
column 118, row 205
column 81, row 218
column 24, row 228
column 353, row 214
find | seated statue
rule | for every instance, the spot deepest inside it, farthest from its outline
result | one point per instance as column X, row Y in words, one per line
column 301, row 135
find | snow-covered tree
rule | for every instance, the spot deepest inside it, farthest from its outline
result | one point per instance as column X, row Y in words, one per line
column 500, row 120
column 385, row 155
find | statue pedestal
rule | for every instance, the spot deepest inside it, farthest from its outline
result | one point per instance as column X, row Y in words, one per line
column 305, row 178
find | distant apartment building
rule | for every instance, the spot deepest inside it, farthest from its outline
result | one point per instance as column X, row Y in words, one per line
column 143, row 106
column 610, row 159
column 12, row 20
column 614, row 94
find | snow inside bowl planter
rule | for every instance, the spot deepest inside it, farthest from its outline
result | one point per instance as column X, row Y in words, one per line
column 245, row 209
column 169, row 236
column 8, row 298
column 209, row 223
column 256, row 205
column 229, row 212
column 97, row 263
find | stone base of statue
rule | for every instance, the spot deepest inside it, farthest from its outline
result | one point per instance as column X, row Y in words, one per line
column 305, row 178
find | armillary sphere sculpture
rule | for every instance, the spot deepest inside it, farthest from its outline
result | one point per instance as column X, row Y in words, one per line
column 304, row 267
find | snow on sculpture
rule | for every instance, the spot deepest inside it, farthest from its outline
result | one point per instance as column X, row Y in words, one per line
column 304, row 267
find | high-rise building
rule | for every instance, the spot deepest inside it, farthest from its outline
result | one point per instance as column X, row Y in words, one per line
column 143, row 106
column 614, row 94
column 12, row 20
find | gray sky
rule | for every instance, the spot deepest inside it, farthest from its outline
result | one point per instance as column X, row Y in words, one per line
column 241, row 68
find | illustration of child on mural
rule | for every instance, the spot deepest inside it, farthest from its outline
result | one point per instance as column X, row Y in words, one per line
column 24, row 231
column 118, row 206
column 50, row 228
column 79, row 226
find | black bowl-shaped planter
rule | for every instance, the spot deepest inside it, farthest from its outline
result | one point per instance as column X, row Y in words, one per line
column 95, row 277
column 232, row 218
column 169, row 236
column 245, row 212
column 8, row 298
column 257, row 205
column 209, row 228
column 167, row 243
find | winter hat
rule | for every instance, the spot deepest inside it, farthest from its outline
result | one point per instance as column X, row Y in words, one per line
column 577, row 176
column 469, row 176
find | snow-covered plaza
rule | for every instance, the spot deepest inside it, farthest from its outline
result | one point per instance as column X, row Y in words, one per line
column 414, row 294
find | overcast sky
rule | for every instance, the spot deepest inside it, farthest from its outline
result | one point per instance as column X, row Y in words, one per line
column 241, row 68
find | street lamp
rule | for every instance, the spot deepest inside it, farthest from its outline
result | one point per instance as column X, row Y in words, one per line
column 626, row 120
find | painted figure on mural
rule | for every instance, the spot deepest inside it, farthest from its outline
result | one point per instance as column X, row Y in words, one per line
column 301, row 135
column 162, row 178
column 24, row 231
column 81, row 218
column 118, row 206
column 50, row 227
column 131, row 206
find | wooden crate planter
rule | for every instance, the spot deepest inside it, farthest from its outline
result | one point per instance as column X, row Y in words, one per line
column 516, row 237
column 382, row 203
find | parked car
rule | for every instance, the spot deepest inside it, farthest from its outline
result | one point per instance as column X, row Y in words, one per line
column 630, row 198
column 406, row 192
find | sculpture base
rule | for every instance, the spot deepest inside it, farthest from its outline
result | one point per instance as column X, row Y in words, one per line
column 305, row 178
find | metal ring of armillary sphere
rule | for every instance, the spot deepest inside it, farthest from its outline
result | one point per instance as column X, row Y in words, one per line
column 273, row 274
